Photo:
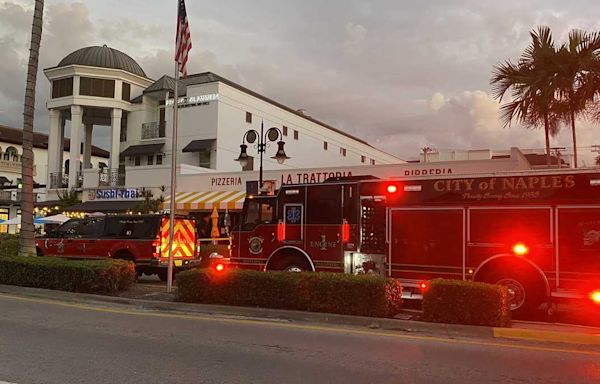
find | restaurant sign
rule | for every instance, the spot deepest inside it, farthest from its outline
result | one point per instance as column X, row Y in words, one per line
column 115, row 194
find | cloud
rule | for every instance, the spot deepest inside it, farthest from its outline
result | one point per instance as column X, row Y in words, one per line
column 399, row 75
column 356, row 35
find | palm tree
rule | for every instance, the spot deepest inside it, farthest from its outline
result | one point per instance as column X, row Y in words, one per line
column 27, row 236
column 532, row 86
column 577, row 65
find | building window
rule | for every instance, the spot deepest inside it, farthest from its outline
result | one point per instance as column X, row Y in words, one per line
column 204, row 159
column 325, row 146
column 248, row 117
column 159, row 158
column 123, row 134
column 137, row 161
column 161, row 122
column 150, row 160
column 284, row 130
column 343, row 151
column 295, row 135
column 89, row 86
column 363, row 159
column 372, row 162
column 126, row 92
column 62, row 88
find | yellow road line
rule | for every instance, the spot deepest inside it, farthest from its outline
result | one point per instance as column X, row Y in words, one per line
column 298, row 326
column 540, row 335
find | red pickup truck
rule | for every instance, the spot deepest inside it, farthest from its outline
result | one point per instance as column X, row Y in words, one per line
column 142, row 239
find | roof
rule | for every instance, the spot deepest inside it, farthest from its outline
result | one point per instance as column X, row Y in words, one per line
column 199, row 145
column 105, row 57
column 40, row 140
column 144, row 149
column 168, row 83
column 535, row 159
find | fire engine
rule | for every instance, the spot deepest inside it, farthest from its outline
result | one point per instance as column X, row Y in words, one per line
column 142, row 239
column 537, row 233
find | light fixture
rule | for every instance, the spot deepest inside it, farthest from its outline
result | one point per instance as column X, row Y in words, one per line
column 243, row 158
column 280, row 156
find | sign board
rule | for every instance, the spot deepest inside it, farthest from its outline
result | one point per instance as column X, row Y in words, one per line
column 189, row 101
column 115, row 194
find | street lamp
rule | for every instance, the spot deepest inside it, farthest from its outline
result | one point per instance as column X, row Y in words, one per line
column 262, row 140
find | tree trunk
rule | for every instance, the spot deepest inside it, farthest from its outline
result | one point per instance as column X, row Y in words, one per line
column 574, row 138
column 27, row 235
column 547, row 132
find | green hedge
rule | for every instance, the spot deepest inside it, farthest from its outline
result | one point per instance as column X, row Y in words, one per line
column 466, row 302
column 9, row 244
column 316, row 292
column 88, row 276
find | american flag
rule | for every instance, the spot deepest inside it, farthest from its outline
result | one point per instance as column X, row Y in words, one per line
column 183, row 40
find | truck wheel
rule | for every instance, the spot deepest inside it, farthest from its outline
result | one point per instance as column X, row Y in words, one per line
column 38, row 252
column 525, row 292
column 293, row 264
column 162, row 274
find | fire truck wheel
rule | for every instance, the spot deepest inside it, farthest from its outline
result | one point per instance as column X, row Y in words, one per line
column 525, row 292
column 38, row 252
column 292, row 264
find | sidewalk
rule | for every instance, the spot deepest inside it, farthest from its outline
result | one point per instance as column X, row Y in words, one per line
column 158, row 300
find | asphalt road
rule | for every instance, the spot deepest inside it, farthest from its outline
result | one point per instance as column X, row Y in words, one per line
column 45, row 342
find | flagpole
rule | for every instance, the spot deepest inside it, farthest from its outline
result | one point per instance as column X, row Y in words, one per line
column 173, row 179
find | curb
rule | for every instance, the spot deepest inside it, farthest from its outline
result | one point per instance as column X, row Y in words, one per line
column 547, row 336
column 520, row 330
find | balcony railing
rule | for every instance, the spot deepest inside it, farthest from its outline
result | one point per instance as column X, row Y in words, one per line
column 59, row 180
column 153, row 130
column 111, row 178
column 15, row 196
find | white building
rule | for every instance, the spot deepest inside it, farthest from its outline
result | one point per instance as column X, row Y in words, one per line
column 102, row 88
column 11, row 150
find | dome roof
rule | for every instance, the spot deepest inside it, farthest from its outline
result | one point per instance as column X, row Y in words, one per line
column 105, row 57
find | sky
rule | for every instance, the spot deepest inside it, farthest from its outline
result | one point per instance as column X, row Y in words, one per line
column 400, row 74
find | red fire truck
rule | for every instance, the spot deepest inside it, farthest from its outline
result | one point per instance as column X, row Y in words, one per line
column 538, row 233
column 143, row 239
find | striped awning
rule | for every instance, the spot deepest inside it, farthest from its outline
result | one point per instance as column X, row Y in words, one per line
column 196, row 201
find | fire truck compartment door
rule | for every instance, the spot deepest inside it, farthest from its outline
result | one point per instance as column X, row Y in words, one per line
column 427, row 243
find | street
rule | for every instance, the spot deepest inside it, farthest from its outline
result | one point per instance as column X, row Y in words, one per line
column 49, row 342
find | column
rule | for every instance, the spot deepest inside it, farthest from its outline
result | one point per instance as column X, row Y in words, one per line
column 87, row 146
column 115, row 148
column 60, row 140
column 75, row 145
column 53, row 146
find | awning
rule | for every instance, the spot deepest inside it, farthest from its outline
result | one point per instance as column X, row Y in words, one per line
column 199, row 145
column 195, row 201
column 107, row 206
column 145, row 149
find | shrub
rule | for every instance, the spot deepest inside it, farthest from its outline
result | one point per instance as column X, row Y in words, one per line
column 87, row 276
column 9, row 244
column 316, row 292
column 466, row 302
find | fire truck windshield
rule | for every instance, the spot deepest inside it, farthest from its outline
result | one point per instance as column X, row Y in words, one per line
column 258, row 211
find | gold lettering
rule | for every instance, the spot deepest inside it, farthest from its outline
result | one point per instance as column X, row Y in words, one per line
column 439, row 186
column 569, row 181
column 533, row 182
column 469, row 184
column 545, row 184
column 508, row 183
column 556, row 182
column 521, row 184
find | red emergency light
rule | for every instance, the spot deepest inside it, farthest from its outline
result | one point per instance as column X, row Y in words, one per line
column 281, row 230
column 595, row 296
column 219, row 267
column 345, row 231
column 392, row 188
column 424, row 285
column 520, row 249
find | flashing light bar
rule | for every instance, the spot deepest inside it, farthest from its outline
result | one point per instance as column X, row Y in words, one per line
column 520, row 249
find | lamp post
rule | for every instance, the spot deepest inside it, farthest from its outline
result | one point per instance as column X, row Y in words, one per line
column 262, row 140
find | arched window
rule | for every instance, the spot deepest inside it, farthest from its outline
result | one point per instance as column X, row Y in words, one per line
column 67, row 166
column 11, row 154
